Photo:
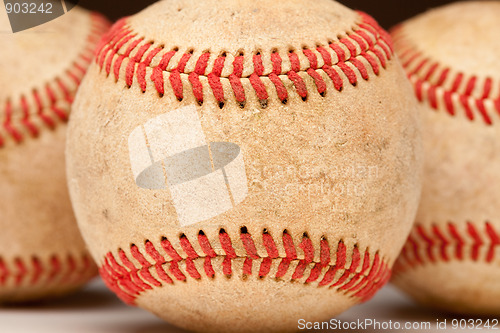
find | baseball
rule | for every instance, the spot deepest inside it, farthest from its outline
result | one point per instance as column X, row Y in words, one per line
column 451, row 260
column 240, row 165
column 41, row 251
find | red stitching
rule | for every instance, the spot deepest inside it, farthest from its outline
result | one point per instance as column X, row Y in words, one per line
column 227, row 246
column 435, row 243
column 209, row 252
column 160, row 261
column 291, row 254
column 128, row 278
column 19, row 119
column 355, row 279
column 494, row 241
column 307, row 248
column 130, row 71
column 191, row 253
column 367, row 46
column 214, row 79
column 444, row 88
column 110, row 39
column 8, row 123
column 35, row 271
column 255, row 78
column 144, row 272
column 56, row 267
column 352, row 268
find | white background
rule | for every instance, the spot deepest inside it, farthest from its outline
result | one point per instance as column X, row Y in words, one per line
column 97, row 310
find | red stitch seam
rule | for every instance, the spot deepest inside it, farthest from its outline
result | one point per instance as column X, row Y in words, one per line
column 33, row 271
column 444, row 88
column 428, row 245
column 368, row 46
column 130, row 274
column 22, row 116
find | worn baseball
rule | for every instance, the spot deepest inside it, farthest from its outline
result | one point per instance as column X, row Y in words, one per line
column 242, row 165
column 41, row 251
column 452, row 259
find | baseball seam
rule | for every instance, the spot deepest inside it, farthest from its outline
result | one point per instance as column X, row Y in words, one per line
column 136, row 59
column 428, row 245
column 130, row 274
column 49, row 104
column 444, row 88
column 35, row 271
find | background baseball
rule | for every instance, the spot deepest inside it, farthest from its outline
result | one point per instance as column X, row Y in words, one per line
column 41, row 251
column 451, row 260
